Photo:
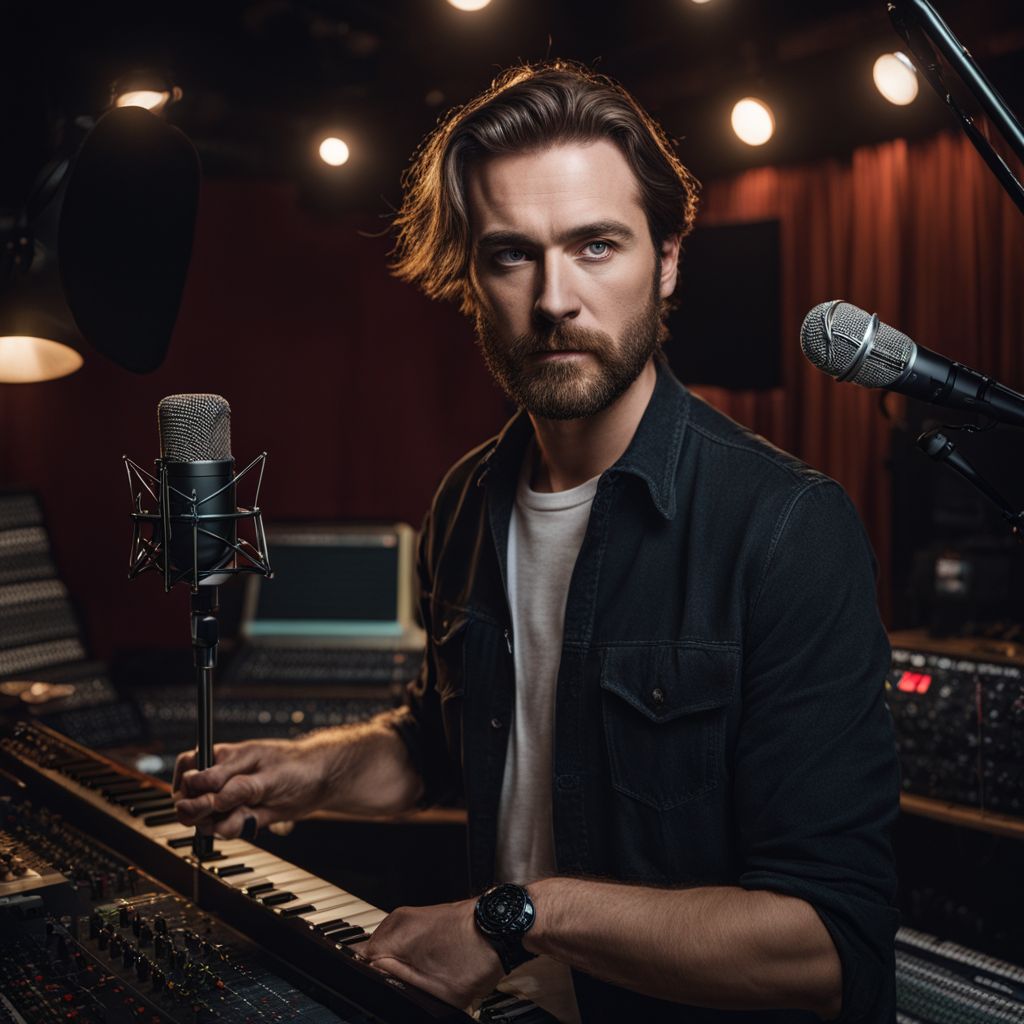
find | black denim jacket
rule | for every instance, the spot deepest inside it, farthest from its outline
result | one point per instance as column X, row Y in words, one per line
column 720, row 715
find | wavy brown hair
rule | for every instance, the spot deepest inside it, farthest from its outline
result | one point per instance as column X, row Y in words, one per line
column 531, row 106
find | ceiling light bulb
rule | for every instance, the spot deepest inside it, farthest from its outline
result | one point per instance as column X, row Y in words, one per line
column 753, row 121
column 895, row 78
column 333, row 151
column 28, row 360
column 469, row 5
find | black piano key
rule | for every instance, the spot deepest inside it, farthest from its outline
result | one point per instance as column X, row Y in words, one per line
column 180, row 842
column 163, row 818
column 306, row 908
column 117, row 788
column 506, row 1010
column 131, row 797
column 146, row 806
column 347, row 932
column 232, row 869
column 96, row 779
column 256, row 887
column 273, row 898
column 351, row 940
column 496, row 997
column 328, row 926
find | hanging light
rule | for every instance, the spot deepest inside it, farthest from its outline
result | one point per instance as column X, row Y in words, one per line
column 38, row 336
column 28, row 360
column 753, row 121
column 334, row 151
column 895, row 78
column 469, row 5
column 146, row 89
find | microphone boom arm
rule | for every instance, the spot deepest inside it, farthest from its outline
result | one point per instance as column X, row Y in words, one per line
column 917, row 22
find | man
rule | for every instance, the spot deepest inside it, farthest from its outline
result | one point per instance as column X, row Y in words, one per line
column 655, row 663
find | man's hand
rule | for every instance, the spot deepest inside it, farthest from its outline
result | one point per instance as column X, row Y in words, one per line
column 437, row 949
column 265, row 780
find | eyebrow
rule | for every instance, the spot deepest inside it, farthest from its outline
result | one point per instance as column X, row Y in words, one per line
column 614, row 228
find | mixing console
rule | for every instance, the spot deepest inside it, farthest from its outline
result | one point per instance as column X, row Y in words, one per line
column 102, row 942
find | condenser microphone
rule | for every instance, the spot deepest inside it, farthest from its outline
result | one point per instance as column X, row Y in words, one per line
column 851, row 345
column 195, row 450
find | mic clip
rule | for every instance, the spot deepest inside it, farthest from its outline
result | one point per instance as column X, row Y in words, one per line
column 153, row 532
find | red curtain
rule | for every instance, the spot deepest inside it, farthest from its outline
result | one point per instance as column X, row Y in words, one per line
column 922, row 234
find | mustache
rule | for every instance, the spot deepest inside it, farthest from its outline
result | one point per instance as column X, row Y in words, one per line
column 560, row 337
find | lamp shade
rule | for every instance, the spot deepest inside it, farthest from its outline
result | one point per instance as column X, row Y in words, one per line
column 39, row 339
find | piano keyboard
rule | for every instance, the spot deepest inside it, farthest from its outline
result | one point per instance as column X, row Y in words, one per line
column 295, row 914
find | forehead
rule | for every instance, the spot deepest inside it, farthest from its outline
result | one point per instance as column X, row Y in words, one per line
column 549, row 190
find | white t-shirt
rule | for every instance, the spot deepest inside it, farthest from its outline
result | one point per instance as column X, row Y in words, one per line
column 544, row 539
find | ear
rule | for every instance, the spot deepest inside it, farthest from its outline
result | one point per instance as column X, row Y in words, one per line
column 669, row 266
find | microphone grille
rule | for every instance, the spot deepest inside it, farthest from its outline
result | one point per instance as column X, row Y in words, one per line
column 194, row 428
column 831, row 340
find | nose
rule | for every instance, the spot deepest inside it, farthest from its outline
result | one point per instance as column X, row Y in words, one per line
column 556, row 298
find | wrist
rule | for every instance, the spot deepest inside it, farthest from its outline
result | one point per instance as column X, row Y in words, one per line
column 540, row 894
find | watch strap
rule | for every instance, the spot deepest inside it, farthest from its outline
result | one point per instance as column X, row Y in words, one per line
column 511, row 951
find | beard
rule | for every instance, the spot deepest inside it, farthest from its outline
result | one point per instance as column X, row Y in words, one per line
column 569, row 389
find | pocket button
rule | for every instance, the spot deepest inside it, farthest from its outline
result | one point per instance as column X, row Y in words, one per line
column 658, row 696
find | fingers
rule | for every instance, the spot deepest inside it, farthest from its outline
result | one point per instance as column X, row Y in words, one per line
column 184, row 762
column 243, row 822
column 410, row 975
column 237, row 791
column 229, row 759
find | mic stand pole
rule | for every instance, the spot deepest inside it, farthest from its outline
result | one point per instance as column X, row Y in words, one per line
column 205, row 634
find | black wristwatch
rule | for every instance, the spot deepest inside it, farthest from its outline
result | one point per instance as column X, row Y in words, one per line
column 504, row 914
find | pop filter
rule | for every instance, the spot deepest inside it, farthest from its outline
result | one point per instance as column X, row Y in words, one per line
column 125, row 236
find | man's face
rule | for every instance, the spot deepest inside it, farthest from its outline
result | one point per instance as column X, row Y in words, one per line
column 566, row 280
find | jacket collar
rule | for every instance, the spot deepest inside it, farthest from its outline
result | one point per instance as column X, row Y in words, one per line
column 652, row 455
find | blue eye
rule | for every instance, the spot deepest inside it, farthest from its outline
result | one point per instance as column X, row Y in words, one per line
column 511, row 256
column 598, row 248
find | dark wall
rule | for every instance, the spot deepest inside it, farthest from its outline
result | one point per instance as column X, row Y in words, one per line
column 362, row 391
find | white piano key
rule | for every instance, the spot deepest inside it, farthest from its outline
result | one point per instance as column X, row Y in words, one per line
column 372, row 916
column 338, row 902
column 280, row 878
column 253, row 861
column 358, row 906
column 308, row 891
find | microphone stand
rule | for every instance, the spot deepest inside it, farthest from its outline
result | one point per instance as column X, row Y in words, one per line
column 205, row 634
column 937, row 446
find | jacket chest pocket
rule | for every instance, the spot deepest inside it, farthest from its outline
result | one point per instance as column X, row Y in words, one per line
column 664, row 711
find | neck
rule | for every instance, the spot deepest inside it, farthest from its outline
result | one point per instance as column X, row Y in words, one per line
column 571, row 452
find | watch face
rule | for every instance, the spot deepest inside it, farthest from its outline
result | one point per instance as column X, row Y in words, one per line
column 502, row 910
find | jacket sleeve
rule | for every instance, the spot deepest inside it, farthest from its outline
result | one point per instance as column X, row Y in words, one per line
column 420, row 722
column 817, row 779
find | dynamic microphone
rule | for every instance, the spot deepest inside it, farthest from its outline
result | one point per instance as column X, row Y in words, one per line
column 855, row 346
column 195, row 450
